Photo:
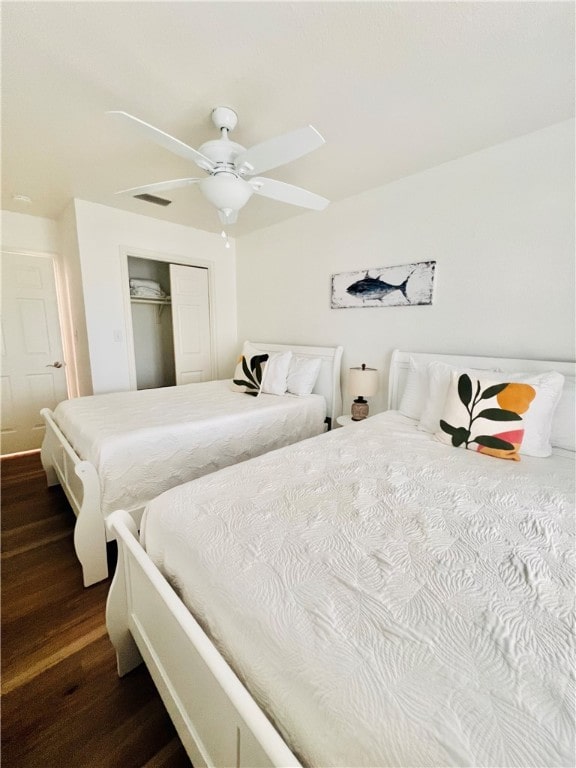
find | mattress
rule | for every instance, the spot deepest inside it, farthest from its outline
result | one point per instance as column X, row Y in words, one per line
column 143, row 443
column 387, row 600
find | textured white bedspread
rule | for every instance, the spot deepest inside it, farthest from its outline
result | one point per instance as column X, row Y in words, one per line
column 143, row 443
column 388, row 600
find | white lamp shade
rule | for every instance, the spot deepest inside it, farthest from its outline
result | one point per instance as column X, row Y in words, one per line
column 363, row 382
column 226, row 191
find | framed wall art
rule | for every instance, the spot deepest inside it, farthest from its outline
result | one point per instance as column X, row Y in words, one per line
column 406, row 285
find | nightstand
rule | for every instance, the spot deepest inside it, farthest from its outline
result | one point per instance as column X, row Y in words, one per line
column 347, row 419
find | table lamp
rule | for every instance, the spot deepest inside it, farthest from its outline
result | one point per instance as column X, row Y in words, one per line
column 363, row 383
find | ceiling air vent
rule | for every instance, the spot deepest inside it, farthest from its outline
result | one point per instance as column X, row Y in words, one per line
column 154, row 199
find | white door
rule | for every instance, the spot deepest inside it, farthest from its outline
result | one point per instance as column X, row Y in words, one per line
column 191, row 323
column 33, row 374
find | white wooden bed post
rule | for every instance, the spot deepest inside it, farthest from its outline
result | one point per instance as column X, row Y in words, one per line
column 90, row 529
column 118, row 604
column 48, row 447
column 81, row 485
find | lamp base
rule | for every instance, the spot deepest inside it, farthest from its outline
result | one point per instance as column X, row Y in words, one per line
column 359, row 410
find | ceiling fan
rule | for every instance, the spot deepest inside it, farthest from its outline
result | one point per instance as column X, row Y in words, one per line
column 232, row 168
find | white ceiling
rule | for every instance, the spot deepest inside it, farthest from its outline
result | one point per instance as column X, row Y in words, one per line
column 394, row 88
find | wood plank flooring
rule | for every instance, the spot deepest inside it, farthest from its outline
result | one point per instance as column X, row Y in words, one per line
column 63, row 705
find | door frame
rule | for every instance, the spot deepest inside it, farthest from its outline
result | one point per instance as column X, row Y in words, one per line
column 139, row 253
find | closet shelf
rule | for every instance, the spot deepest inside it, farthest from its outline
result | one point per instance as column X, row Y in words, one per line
column 162, row 302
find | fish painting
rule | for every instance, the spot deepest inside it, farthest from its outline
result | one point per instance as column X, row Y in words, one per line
column 375, row 288
column 402, row 285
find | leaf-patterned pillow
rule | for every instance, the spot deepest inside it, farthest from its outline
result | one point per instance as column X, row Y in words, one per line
column 250, row 370
column 485, row 416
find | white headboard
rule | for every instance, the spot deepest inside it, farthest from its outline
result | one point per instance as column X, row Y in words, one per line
column 328, row 382
column 565, row 410
column 400, row 363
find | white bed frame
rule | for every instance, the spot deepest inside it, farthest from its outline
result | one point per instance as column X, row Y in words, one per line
column 216, row 718
column 81, row 484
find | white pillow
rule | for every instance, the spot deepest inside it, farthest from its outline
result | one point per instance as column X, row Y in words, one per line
column 439, row 376
column 302, row 374
column 563, row 425
column 416, row 390
column 275, row 377
column 538, row 419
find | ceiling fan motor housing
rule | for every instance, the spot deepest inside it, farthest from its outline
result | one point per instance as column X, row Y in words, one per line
column 221, row 152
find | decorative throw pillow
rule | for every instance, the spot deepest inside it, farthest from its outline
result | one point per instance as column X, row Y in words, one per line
column 439, row 377
column 275, row 377
column 250, row 370
column 302, row 374
column 485, row 415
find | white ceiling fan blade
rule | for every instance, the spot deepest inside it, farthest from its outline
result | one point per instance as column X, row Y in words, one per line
column 278, row 151
column 288, row 193
column 227, row 216
column 159, row 186
column 165, row 140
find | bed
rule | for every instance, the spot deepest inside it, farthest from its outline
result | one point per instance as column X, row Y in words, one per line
column 367, row 597
column 120, row 450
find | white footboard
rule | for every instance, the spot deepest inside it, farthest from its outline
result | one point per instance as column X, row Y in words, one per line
column 216, row 718
column 81, row 485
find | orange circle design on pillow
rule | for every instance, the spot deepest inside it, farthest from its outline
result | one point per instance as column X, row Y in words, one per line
column 516, row 397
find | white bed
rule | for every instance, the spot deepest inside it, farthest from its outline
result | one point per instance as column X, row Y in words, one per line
column 386, row 599
column 120, row 450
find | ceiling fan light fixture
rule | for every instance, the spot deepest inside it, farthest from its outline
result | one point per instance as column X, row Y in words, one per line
column 225, row 190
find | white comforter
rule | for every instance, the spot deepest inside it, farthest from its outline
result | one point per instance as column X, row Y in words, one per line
column 143, row 443
column 388, row 600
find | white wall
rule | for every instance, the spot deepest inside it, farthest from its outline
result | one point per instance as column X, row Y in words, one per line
column 499, row 223
column 105, row 236
column 21, row 232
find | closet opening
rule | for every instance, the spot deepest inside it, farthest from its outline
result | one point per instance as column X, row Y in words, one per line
column 170, row 314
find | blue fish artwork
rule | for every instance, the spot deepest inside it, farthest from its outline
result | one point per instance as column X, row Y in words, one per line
column 375, row 288
column 406, row 285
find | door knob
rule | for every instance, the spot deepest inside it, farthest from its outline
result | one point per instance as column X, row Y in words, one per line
column 57, row 364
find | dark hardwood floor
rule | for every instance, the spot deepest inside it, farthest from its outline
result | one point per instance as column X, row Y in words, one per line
column 63, row 704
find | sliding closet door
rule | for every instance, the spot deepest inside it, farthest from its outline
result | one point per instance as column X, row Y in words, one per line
column 191, row 322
